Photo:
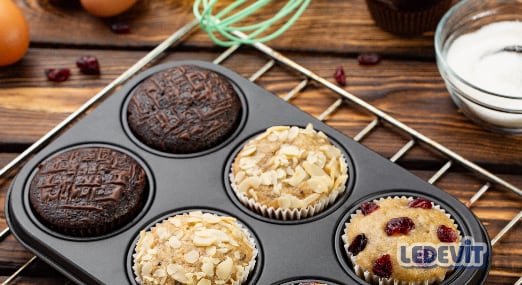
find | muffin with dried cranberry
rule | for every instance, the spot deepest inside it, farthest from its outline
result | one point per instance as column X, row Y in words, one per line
column 289, row 173
column 380, row 232
column 195, row 248
column 407, row 17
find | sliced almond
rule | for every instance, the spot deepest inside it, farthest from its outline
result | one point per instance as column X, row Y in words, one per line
column 174, row 242
column 208, row 269
column 319, row 184
column 312, row 169
column 299, row 176
column 289, row 150
column 248, row 183
column 251, row 149
column 203, row 240
column 224, row 269
column 191, row 256
column 204, row 281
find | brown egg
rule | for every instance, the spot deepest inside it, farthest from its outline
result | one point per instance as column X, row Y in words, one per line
column 14, row 33
column 106, row 8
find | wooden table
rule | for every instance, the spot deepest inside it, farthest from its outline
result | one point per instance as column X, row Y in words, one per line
column 406, row 85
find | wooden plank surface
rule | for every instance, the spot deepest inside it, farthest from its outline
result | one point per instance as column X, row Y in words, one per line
column 406, row 84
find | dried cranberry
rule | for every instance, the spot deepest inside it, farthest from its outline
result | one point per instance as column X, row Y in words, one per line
column 420, row 203
column 369, row 207
column 446, row 234
column 368, row 58
column 339, row 76
column 382, row 266
column 120, row 28
column 88, row 64
column 401, row 225
column 58, row 74
column 358, row 244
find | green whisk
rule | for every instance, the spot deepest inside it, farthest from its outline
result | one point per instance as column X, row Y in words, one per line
column 226, row 21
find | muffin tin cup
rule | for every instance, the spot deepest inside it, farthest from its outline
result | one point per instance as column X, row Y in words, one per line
column 308, row 249
column 369, row 276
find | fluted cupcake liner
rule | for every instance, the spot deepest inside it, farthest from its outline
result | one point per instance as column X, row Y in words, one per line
column 289, row 213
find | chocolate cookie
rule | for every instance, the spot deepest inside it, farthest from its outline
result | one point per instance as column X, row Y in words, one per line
column 184, row 109
column 88, row 191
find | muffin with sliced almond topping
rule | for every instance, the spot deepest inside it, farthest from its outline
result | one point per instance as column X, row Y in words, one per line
column 379, row 235
column 289, row 173
column 195, row 248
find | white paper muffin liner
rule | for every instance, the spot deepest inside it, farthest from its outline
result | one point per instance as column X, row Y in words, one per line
column 249, row 268
column 371, row 278
column 288, row 213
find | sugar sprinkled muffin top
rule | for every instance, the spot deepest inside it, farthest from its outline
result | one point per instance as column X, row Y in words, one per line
column 194, row 248
column 289, row 167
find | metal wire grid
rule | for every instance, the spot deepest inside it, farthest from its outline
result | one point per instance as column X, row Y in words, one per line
column 309, row 77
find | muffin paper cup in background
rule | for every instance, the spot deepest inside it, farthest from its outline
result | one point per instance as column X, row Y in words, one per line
column 367, row 275
column 403, row 22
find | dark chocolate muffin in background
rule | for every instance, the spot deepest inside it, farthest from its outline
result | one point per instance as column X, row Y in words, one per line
column 184, row 109
column 88, row 192
column 407, row 17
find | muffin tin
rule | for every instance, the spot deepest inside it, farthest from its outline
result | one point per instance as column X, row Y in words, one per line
column 289, row 251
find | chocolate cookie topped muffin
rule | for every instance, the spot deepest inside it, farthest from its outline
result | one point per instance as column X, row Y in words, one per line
column 407, row 17
column 88, row 191
column 289, row 173
column 375, row 232
column 195, row 248
column 183, row 109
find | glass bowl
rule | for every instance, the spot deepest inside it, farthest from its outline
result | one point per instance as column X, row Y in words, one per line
column 478, row 46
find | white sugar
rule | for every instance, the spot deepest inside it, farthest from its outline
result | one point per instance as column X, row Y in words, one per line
column 479, row 58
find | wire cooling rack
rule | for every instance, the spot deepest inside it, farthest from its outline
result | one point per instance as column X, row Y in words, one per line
column 378, row 119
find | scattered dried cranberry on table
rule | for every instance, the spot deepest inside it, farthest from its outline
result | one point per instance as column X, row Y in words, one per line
column 57, row 74
column 120, row 28
column 369, row 58
column 88, row 64
column 339, row 76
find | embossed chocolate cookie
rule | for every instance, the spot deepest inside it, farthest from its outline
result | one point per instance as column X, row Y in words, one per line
column 184, row 109
column 88, row 191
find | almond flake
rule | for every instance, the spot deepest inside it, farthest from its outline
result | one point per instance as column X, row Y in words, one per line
column 224, row 269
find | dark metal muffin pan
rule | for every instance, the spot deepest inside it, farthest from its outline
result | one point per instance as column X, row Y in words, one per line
column 289, row 251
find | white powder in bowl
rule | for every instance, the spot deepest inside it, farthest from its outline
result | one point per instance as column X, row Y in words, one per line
column 479, row 58
column 491, row 59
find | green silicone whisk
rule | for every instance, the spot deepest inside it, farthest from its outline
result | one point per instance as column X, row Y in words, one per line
column 226, row 21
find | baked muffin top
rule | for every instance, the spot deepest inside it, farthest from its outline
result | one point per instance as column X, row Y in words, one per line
column 378, row 229
column 289, row 167
column 195, row 248
column 183, row 109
